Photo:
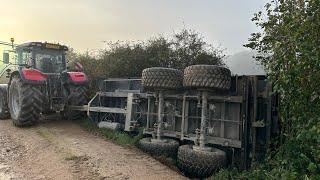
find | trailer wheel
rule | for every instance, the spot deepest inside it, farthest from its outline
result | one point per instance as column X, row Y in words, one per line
column 161, row 78
column 77, row 97
column 4, row 110
column 207, row 76
column 167, row 147
column 200, row 164
column 25, row 102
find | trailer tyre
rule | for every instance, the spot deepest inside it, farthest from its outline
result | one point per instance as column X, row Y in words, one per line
column 207, row 76
column 25, row 102
column 77, row 97
column 161, row 78
column 4, row 110
column 200, row 164
column 168, row 147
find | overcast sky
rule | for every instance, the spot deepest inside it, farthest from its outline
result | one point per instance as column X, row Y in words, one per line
column 84, row 24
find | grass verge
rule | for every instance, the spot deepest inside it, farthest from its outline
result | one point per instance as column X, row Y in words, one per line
column 124, row 139
column 118, row 137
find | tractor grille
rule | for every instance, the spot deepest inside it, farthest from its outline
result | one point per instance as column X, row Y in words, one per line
column 55, row 91
column 54, row 85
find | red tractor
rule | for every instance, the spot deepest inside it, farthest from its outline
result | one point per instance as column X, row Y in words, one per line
column 38, row 82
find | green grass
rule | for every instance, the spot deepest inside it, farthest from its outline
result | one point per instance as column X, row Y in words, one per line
column 227, row 173
column 172, row 163
column 49, row 136
column 124, row 139
column 118, row 137
column 72, row 158
column 44, row 133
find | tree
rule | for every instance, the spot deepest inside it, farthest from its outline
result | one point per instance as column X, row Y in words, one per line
column 189, row 48
column 185, row 48
column 127, row 59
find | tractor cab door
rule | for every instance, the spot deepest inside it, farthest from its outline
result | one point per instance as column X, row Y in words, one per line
column 7, row 64
column 24, row 57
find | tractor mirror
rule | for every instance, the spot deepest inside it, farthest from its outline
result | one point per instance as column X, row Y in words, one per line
column 6, row 58
column 78, row 67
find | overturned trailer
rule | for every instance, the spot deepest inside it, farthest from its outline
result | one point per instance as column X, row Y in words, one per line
column 218, row 119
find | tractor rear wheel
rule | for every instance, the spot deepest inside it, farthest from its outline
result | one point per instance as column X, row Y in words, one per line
column 157, row 78
column 200, row 164
column 165, row 147
column 4, row 111
column 25, row 102
column 77, row 97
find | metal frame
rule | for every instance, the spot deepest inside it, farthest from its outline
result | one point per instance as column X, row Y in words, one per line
column 183, row 134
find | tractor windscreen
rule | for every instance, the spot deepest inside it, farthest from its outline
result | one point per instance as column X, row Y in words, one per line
column 50, row 61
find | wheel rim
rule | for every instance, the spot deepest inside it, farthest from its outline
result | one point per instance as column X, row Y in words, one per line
column 15, row 102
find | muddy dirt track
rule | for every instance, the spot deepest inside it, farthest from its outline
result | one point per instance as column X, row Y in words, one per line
column 63, row 150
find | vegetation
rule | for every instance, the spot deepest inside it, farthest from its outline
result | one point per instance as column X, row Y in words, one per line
column 289, row 48
column 118, row 137
column 121, row 138
column 72, row 158
column 124, row 59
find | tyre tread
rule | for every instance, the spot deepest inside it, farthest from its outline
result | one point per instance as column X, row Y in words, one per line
column 169, row 148
column 197, row 164
column 32, row 101
column 161, row 78
column 207, row 76
column 4, row 112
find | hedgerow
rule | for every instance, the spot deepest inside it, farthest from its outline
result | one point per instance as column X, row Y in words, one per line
column 289, row 49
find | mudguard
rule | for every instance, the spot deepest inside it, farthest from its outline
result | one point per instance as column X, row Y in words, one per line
column 76, row 78
column 32, row 76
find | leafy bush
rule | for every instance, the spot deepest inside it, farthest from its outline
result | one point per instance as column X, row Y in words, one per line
column 124, row 59
column 289, row 48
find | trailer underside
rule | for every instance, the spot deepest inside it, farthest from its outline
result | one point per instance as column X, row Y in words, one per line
column 241, row 121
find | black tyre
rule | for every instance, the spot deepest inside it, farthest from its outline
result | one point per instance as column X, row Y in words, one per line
column 161, row 78
column 4, row 110
column 200, row 164
column 207, row 76
column 25, row 102
column 77, row 97
column 167, row 147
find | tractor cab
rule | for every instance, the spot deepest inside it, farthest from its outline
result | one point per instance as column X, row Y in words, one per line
column 45, row 57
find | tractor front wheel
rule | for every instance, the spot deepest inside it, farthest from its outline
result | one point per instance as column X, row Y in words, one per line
column 25, row 102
